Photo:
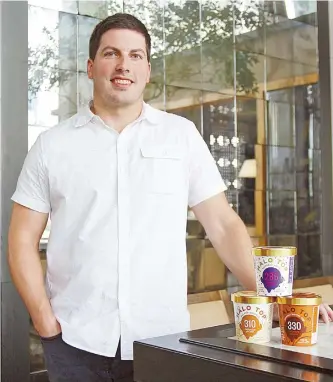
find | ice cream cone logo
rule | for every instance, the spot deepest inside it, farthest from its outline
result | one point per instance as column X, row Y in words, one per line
column 250, row 325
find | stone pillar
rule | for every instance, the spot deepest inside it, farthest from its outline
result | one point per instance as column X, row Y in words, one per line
column 325, row 52
column 15, row 363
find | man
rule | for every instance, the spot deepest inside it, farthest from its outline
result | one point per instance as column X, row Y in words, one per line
column 116, row 179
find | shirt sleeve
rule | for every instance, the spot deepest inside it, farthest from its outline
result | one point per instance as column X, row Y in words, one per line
column 205, row 179
column 32, row 190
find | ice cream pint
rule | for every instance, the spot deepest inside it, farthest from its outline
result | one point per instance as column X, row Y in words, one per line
column 253, row 317
column 274, row 268
column 298, row 316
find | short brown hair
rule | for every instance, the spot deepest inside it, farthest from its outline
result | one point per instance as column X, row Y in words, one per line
column 117, row 21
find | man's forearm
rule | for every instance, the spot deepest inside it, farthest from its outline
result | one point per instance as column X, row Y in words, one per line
column 234, row 246
column 27, row 274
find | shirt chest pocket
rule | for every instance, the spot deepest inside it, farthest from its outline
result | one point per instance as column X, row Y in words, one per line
column 163, row 171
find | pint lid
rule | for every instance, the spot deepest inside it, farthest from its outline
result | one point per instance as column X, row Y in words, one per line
column 251, row 297
column 274, row 251
column 300, row 299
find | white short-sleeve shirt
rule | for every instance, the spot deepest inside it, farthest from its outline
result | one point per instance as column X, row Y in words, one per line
column 116, row 256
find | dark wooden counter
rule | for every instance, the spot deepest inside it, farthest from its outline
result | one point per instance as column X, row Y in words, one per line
column 167, row 359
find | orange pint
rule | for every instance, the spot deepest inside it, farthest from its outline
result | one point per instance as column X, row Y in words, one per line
column 298, row 315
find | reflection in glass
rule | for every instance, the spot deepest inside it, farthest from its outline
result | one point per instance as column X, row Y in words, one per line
column 250, row 81
column 52, row 39
column 217, row 56
column 154, row 95
column 182, row 44
column 249, row 25
column 286, row 240
column 247, row 127
column 280, row 32
column 52, row 96
column 220, row 134
column 100, row 9
column 277, row 70
column 184, row 102
column 85, row 89
column 58, row 5
column 85, row 28
column 309, row 173
column 281, row 168
column 281, row 208
column 309, row 214
column 290, row 9
column 281, row 131
column 246, row 207
column 150, row 12
column 309, row 256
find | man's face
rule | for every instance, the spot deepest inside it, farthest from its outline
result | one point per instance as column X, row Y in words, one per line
column 120, row 70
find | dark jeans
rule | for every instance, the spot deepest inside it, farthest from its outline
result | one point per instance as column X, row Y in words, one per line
column 65, row 363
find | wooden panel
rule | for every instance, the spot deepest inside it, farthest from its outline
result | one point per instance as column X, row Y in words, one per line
column 197, row 298
column 207, row 314
column 260, row 196
column 311, row 78
column 326, row 291
column 261, row 121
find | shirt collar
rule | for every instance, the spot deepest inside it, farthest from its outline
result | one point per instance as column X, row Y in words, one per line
column 85, row 115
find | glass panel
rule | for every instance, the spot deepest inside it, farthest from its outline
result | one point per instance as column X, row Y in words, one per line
column 296, row 9
column 281, row 168
column 305, row 44
column 286, row 240
column 301, row 8
column 58, row 5
column 154, row 95
column 315, row 111
column 309, row 179
column 277, row 70
column 309, row 256
column 220, row 135
column 250, row 73
column 247, row 166
column 308, row 71
column 309, row 214
column 282, row 95
column 52, row 96
column 150, row 12
column 184, row 102
column 52, row 39
column 250, row 20
column 182, row 44
column 281, row 131
column 85, row 88
column 246, row 206
column 100, row 9
column 281, row 33
column 85, row 28
column 281, row 207
column 217, row 27
column 247, row 122
column 194, row 247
